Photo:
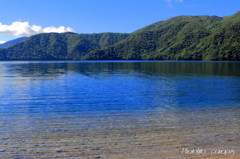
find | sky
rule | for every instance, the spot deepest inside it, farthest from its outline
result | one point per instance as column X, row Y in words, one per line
column 28, row 17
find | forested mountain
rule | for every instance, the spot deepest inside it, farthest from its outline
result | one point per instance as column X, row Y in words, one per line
column 179, row 38
column 59, row 46
column 12, row 42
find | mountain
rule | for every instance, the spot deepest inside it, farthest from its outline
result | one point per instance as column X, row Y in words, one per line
column 12, row 42
column 178, row 38
column 59, row 46
column 166, row 40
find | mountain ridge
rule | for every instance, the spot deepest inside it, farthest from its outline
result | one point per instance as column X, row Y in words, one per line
column 12, row 42
column 59, row 46
column 178, row 38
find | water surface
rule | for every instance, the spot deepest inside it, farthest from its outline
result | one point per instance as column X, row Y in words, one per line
column 112, row 109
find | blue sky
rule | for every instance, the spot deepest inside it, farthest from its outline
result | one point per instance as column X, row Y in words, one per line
column 96, row 16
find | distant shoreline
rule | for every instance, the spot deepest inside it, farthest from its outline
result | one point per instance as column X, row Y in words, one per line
column 119, row 61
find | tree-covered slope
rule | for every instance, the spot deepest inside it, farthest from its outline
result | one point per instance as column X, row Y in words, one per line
column 224, row 41
column 56, row 46
column 180, row 38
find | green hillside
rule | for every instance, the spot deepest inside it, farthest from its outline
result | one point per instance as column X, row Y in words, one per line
column 178, row 38
column 56, row 46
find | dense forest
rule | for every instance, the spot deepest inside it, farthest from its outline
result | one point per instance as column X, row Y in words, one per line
column 178, row 38
column 59, row 46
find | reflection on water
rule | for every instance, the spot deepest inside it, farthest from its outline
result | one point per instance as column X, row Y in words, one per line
column 128, row 106
column 113, row 86
column 91, row 68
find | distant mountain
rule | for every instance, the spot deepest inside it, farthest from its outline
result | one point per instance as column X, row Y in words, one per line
column 178, row 38
column 59, row 46
column 12, row 42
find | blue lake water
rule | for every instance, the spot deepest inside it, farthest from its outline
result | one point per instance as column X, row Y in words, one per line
column 43, row 102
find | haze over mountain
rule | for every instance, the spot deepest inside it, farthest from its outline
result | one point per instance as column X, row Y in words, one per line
column 12, row 42
column 179, row 38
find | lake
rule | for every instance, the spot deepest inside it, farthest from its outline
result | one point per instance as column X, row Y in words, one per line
column 119, row 109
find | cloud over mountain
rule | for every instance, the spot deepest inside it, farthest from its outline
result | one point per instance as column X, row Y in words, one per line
column 25, row 29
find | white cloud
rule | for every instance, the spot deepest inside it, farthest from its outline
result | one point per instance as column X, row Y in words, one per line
column 170, row 2
column 1, row 42
column 24, row 29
